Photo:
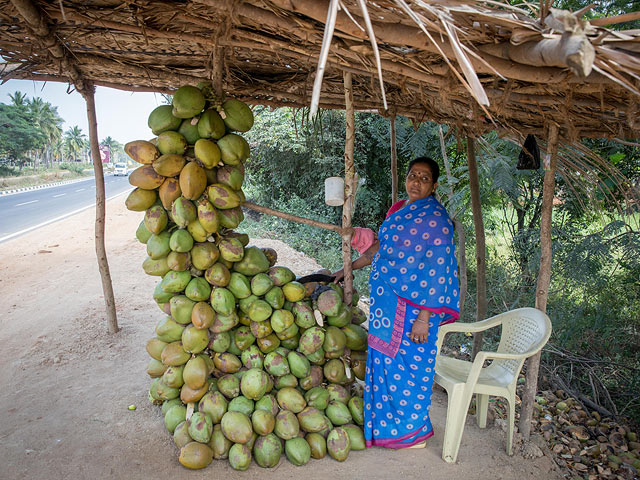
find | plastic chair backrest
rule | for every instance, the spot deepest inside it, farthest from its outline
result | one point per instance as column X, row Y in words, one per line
column 523, row 330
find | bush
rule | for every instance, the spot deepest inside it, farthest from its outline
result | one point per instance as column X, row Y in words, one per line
column 7, row 171
column 72, row 167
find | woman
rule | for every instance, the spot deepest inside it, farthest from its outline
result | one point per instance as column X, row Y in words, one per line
column 414, row 290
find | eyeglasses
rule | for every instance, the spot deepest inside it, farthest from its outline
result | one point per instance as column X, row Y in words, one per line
column 422, row 179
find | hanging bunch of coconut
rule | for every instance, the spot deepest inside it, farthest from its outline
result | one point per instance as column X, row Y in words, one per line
column 248, row 363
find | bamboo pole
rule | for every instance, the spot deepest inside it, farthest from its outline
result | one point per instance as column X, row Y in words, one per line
column 462, row 239
column 481, row 254
column 293, row 218
column 349, row 173
column 544, row 278
column 101, row 252
column 394, row 161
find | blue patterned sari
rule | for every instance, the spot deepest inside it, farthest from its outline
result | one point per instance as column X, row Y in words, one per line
column 415, row 268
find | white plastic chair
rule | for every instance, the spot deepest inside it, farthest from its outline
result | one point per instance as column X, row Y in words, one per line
column 524, row 332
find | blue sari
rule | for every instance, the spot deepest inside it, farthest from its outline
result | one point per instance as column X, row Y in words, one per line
column 414, row 269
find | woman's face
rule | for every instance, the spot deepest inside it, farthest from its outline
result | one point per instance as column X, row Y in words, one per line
column 419, row 182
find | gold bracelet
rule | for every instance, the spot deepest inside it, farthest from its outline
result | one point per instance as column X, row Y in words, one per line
column 421, row 321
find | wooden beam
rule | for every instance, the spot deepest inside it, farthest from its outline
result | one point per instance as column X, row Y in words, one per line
column 544, row 278
column 101, row 251
column 402, row 35
column 45, row 37
column 293, row 218
column 349, row 173
column 481, row 253
column 394, row 161
column 568, row 50
column 626, row 17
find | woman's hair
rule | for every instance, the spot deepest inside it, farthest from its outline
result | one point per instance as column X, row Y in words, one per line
column 430, row 162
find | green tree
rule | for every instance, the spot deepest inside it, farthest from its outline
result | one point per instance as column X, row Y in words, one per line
column 75, row 141
column 17, row 134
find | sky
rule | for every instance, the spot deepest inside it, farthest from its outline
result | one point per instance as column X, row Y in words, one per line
column 121, row 115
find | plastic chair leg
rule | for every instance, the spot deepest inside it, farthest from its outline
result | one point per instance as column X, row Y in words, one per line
column 456, row 416
column 511, row 420
column 482, row 405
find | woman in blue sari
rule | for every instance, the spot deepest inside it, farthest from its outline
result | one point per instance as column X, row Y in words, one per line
column 414, row 289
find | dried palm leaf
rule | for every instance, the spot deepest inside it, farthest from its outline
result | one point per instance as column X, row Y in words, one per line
column 324, row 53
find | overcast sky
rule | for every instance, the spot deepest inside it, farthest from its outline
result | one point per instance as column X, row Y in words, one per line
column 121, row 115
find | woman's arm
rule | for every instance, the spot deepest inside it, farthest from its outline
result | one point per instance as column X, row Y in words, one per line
column 365, row 259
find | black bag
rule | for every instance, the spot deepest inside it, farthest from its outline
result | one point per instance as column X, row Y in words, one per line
column 529, row 158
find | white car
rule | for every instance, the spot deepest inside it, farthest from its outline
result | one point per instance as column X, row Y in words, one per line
column 120, row 169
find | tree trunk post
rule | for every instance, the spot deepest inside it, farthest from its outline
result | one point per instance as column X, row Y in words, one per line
column 349, row 173
column 394, row 161
column 462, row 240
column 544, row 278
column 101, row 252
column 481, row 254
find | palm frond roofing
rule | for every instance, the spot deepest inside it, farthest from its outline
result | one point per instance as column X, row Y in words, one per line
column 477, row 66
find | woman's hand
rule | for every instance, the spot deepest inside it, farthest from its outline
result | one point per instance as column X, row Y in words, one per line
column 339, row 275
column 420, row 332
column 420, row 329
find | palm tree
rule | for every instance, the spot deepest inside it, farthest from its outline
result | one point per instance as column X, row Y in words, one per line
column 18, row 98
column 115, row 148
column 46, row 119
column 75, row 141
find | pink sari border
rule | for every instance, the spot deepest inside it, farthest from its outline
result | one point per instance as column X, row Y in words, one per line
column 395, row 444
column 391, row 348
column 448, row 310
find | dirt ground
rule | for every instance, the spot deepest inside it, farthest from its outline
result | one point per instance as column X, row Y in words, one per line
column 65, row 383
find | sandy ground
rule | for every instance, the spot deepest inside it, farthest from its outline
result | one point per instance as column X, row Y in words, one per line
column 65, row 383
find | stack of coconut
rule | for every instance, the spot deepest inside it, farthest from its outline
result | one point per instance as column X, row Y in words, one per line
column 247, row 362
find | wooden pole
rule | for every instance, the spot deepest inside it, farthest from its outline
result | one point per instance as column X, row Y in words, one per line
column 481, row 254
column 394, row 161
column 101, row 252
column 349, row 173
column 544, row 278
column 293, row 218
column 462, row 239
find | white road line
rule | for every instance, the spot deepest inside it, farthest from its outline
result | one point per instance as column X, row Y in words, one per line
column 26, row 230
column 59, row 195
column 25, row 203
column 80, row 190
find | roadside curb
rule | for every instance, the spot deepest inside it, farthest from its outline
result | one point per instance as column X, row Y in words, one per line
column 39, row 187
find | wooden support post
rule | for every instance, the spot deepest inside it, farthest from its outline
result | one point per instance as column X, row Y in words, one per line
column 394, row 161
column 101, row 252
column 462, row 239
column 349, row 190
column 544, row 278
column 481, row 254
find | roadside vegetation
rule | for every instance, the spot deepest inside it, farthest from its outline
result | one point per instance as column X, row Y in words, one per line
column 35, row 149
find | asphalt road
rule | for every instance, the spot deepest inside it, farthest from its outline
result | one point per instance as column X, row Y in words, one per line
column 24, row 212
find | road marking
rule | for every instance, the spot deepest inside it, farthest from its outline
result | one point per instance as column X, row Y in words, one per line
column 26, row 230
column 59, row 195
column 25, row 203
column 81, row 190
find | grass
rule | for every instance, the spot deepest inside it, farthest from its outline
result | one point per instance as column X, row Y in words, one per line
column 11, row 178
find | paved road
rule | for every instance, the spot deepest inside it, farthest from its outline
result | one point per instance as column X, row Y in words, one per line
column 23, row 212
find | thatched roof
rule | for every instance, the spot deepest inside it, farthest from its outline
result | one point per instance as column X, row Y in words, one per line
column 473, row 65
